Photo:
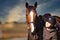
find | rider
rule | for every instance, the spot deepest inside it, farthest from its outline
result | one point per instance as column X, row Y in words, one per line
column 50, row 31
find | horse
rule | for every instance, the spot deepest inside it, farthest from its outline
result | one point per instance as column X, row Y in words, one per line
column 31, row 16
column 35, row 22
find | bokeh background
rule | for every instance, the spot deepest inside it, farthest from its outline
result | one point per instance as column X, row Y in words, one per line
column 12, row 16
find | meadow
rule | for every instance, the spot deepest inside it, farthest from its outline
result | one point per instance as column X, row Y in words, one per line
column 13, row 30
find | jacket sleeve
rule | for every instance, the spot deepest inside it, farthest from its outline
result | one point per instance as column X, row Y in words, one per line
column 58, row 26
column 54, row 37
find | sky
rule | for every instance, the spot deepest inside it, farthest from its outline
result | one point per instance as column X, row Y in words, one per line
column 15, row 10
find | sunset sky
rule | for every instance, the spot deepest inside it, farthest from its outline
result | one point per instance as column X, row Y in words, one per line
column 14, row 10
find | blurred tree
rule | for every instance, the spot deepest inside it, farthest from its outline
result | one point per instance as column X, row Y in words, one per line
column 15, row 22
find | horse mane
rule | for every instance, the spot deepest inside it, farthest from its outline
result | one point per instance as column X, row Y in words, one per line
column 57, row 18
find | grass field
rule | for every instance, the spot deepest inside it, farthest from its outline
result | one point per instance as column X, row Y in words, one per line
column 16, row 31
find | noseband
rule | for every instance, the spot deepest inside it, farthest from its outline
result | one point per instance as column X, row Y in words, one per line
column 30, row 22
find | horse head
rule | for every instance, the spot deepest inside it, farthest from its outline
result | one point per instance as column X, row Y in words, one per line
column 31, row 15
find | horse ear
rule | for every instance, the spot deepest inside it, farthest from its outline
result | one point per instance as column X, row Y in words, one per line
column 35, row 5
column 26, row 5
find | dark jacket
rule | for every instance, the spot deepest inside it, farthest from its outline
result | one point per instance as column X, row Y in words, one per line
column 49, row 34
column 58, row 30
